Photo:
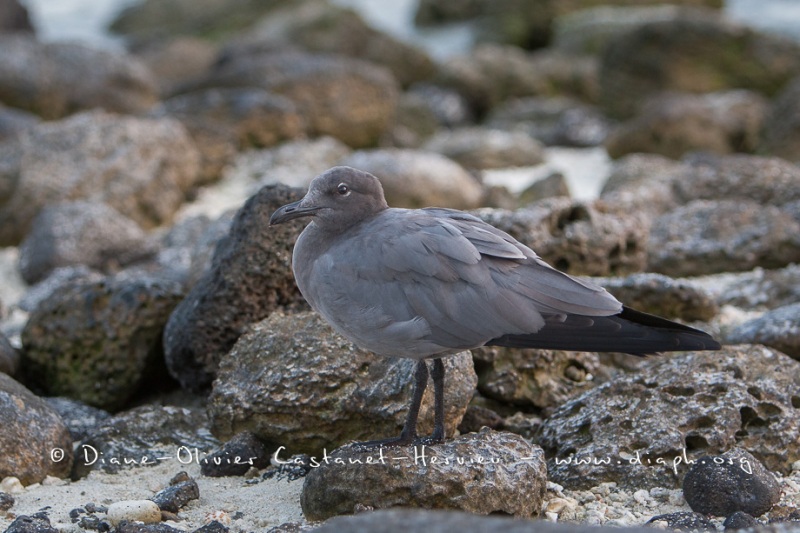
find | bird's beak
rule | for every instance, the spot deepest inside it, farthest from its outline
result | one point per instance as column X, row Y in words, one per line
column 291, row 211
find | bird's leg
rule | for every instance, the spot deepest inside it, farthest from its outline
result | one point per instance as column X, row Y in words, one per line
column 437, row 373
column 409, row 433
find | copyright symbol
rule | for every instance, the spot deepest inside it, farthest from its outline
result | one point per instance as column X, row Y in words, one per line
column 57, row 455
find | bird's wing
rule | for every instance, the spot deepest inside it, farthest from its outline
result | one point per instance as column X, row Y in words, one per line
column 449, row 279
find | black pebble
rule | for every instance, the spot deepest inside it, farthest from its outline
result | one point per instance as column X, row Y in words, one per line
column 181, row 491
column 36, row 523
column 212, row 527
column 685, row 521
column 6, row 501
column 734, row 481
column 245, row 446
column 739, row 520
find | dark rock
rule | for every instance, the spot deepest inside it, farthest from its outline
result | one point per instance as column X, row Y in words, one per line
column 322, row 27
column 676, row 123
column 477, row 417
column 80, row 419
column 9, row 356
column 14, row 17
column 143, row 168
column 690, row 52
column 513, row 468
column 6, row 501
column 643, row 183
column 349, row 99
column 212, row 527
column 56, row 79
column 577, row 237
column 721, row 485
column 138, row 527
column 37, row 523
column 14, row 121
column 706, row 237
column 663, row 296
column 80, row 233
column 475, row 76
column 413, row 178
column 182, row 489
column 552, row 186
column 779, row 329
column 293, row 382
column 250, row 277
column 740, row 520
column 533, row 378
column 696, row 403
column 433, row 12
column 225, row 121
column 243, row 452
column 781, row 136
column 99, row 342
column 58, row 278
column 142, row 437
column 683, row 521
column 480, row 148
column 34, row 440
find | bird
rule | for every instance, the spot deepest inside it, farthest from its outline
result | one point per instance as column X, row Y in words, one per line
column 427, row 283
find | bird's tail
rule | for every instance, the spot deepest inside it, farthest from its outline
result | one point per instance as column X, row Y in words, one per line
column 630, row 332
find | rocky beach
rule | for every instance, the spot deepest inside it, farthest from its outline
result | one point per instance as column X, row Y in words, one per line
column 160, row 371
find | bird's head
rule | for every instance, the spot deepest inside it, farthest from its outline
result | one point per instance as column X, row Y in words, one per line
column 337, row 199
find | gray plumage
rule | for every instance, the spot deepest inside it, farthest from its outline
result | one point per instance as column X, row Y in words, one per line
column 425, row 283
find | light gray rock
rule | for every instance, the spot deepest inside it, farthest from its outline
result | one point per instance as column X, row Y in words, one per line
column 56, row 79
column 349, row 99
column 706, row 237
column 293, row 382
column 34, row 440
column 534, row 378
column 760, row 288
column 663, row 296
column 80, row 233
column 676, row 408
column 577, row 237
column 454, row 475
column 143, row 168
column 778, row 328
column 480, row 148
column 674, row 124
column 414, row 178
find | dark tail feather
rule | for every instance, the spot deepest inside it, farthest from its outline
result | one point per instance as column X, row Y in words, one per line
column 630, row 332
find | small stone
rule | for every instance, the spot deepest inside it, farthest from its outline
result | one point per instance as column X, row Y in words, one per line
column 212, row 527
column 6, row 501
column 134, row 510
column 220, row 517
column 683, row 521
column 740, row 520
column 181, row 491
column 37, row 523
column 11, row 485
column 236, row 457
column 477, row 417
column 135, row 527
column 734, row 481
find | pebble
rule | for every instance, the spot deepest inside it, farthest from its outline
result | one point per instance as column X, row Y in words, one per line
column 734, row 481
column 182, row 489
column 683, row 521
column 739, row 520
column 134, row 510
column 6, row 501
column 11, row 485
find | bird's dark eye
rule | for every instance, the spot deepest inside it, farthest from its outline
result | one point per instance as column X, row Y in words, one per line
column 343, row 189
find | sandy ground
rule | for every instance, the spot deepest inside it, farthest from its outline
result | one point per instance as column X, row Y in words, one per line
column 249, row 505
